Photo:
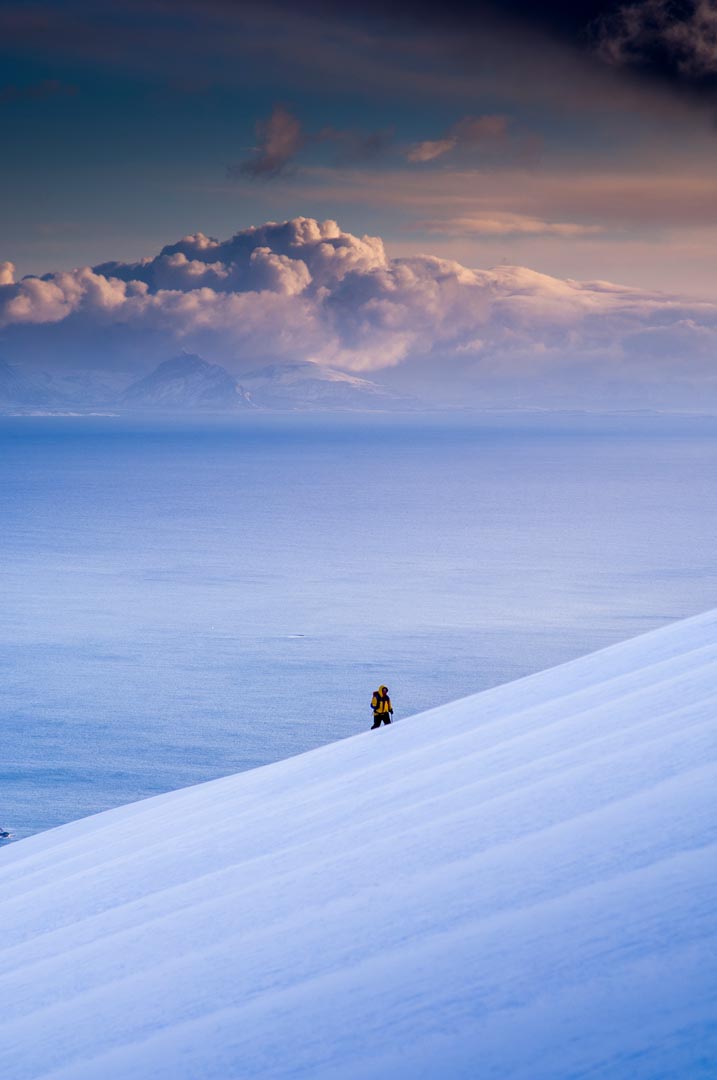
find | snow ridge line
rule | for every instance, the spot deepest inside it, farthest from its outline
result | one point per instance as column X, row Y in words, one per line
column 326, row 785
column 16, row 852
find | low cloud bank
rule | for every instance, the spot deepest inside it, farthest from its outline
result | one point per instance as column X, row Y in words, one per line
column 306, row 290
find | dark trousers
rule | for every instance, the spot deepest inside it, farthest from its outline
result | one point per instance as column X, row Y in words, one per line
column 378, row 717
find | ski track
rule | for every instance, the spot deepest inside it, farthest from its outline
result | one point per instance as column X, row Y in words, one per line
column 520, row 885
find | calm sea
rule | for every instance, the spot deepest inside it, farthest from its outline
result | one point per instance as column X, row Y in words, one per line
column 181, row 601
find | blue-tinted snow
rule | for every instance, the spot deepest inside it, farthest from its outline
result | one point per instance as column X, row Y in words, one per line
column 181, row 602
column 516, row 886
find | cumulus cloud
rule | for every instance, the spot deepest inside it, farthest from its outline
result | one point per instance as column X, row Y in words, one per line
column 53, row 298
column 7, row 273
column 279, row 139
column 657, row 32
column 304, row 289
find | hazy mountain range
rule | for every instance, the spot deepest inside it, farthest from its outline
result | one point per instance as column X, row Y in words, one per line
column 189, row 383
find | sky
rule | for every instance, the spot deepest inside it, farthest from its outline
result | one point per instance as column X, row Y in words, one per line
column 574, row 141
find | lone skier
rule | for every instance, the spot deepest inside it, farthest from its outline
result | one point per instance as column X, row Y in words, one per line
column 382, row 707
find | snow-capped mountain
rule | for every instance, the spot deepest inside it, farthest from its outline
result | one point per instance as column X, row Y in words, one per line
column 519, row 884
column 187, row 382
column 307, row 385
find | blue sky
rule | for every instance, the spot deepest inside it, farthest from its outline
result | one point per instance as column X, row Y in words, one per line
column 573, row 141
column 121, row 125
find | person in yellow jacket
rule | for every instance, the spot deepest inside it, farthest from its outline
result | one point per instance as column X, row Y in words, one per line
column 382, row 707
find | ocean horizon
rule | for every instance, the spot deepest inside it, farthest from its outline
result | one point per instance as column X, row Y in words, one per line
column 185, row 599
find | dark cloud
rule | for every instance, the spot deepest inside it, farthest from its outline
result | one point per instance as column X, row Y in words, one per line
column 663, row 36
column 279, row 140
column 130, row 32
column 671, row 41
column 282, row 137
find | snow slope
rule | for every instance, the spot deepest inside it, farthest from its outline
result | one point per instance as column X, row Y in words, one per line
column 521, row 884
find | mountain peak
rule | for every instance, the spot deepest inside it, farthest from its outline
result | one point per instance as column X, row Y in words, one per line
column 184, row 364
column 186, row 382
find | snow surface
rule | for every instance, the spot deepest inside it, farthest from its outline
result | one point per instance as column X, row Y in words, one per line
column 520, row 884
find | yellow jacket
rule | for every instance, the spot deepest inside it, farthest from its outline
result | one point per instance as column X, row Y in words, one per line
column 381, row 702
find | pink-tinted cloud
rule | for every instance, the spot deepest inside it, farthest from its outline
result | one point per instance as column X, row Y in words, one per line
column 282, row 137
column 304, row 289
column 470, row 133
column 503, row 223
column 682, row 195
column 430, row 149
column 279, row 139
